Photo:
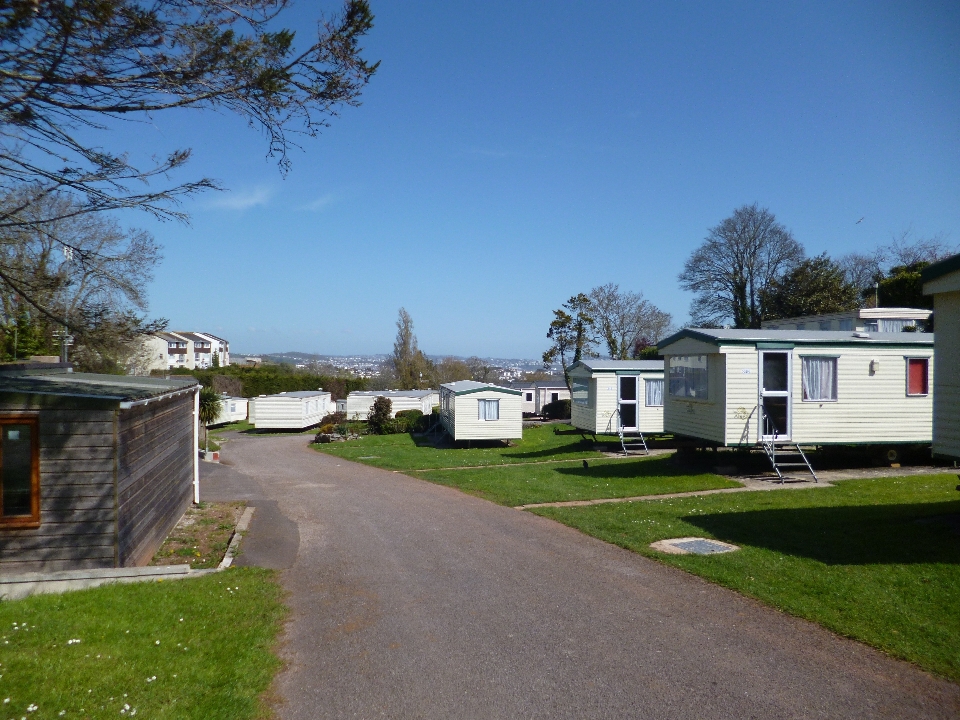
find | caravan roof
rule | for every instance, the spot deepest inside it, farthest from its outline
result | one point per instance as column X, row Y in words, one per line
column 806, row 337
column 462, row 387
column 600, row 365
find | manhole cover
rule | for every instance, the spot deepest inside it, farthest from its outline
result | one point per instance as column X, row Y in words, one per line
column 693, row 546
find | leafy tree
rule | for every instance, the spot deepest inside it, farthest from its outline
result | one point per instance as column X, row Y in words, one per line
column 69, row 69
column 623, row 317
column 411, row 367
column 482, row 371
column 215, row 361
column 813, row 287
column 210, row 406
column 451, row 369
column 736, row 263
column 902, row 287
column 379, row 417
column 571, row 333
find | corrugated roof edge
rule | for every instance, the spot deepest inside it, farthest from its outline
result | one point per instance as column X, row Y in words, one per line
column 465, row 387
column 939, row 269
column 804, row 337
column 601, row 365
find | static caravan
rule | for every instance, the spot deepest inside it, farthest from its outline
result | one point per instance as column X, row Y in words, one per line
column 95, row 470
column 536, row 394
column 749, row 387
column 879, row 319
column 296, row 410
column 942, row 280
column 359, row 402
column 342, row 405
column 232, row 409
column 480, row 411
column 612, row 394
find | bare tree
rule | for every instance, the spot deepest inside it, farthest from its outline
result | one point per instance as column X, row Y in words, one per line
column 68, row 68
column 735, row 263
column 623, row 317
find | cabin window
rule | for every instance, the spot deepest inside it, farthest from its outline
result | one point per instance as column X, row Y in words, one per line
column 688, row 376
column 19, row 471
column 846, row 324
column 819, row 378
column 489, row 409
column 529, row 397
column 917, row 374
column 654, row 393
column 554, row 397
column 580, row 391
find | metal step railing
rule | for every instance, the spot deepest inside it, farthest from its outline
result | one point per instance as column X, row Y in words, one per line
column 633, row 445
column 770, row 446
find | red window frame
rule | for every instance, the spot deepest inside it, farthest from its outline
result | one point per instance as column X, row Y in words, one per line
column 918, row 376
column 33, row 519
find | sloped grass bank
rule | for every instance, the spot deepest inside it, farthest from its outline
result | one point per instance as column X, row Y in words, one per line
column 877, row 560
column 197, row 648
column 523, row 484
column 408, row 452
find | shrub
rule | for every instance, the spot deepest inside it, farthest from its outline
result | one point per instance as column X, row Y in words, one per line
column 378, row 419
column 333, row 418
column 557, row 410
column 412, row 414
column 327, row 428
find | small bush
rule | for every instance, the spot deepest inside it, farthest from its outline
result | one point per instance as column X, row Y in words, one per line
column 327, row 428
column 333, row 418
column 378, row 419
column 411, row 414
column 557, row 410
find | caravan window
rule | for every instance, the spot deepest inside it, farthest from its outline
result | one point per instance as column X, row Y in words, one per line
column 489, row 409
column 688, row 376
column 846, row 324
column 917, row 376
column 580, row 391
column 654, row 393
column 19, row 471
column 529, row 397
column 819, row 378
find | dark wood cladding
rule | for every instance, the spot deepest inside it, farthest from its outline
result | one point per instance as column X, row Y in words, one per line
column 113, row 482
column 154, row 474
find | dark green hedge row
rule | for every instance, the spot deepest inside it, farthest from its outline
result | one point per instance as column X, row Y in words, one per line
column 270, row 380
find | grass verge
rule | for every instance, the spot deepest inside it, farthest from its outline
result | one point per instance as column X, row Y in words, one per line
column 202, row 535
column 197, row 648
column 406, row 452
column 521, row 484
column 877, row 560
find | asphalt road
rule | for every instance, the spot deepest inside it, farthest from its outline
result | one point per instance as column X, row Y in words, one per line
column 412, row 600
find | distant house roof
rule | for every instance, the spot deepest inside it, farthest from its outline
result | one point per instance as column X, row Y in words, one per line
column 540, row 384
column 939, row 269
column 797, row 337
column 121, row 388
column 465, row 387
column 393, row 393
column 600, row 365
column 191, row 336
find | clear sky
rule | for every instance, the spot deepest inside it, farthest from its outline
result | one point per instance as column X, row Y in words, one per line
column 510, row 154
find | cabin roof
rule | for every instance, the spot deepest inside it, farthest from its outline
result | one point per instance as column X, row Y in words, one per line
column 297, row 394
column 539, row 384
column 123, row 388
column 393, row 393
column 601, row 365
column 798, row 337
column 464, row 387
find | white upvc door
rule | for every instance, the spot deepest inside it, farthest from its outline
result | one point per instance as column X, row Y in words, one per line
column 627, row 402
column 775, row 400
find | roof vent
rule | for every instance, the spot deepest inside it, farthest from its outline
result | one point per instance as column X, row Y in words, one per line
column 861, row 335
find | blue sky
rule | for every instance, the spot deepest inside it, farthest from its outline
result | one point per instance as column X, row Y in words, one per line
column 509, row 154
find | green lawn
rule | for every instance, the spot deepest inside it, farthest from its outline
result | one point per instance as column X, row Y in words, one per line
column 522, row 484
column 405, row 452
column 877, row 560
column 198, row 648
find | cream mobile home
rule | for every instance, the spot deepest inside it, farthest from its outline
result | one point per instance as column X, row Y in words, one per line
column 359, row 402
column 289, row 410
column 878, row 319
column 942, row 280
column 480, row 411
column 232, row 409
column 749, row 387
column 534, row 394
column 610, row 395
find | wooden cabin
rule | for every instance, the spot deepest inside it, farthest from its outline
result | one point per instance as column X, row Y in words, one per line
column 612, row 394
column 296, row 410
column 360, row 402
column 741, row 387
column 534, row 394
column 942, row 280
column 96, row 470
column 232, row 409
column 472, row 410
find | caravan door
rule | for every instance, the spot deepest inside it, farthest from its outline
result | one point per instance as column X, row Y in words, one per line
column 775, row 400
column 627, row 402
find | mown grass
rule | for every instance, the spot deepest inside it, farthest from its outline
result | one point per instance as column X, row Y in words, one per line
column 407, row 452
column 197, row 648
column 522, row 484
column 877, row 560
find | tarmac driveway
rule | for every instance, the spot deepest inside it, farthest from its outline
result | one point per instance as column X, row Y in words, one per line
column 413, row 600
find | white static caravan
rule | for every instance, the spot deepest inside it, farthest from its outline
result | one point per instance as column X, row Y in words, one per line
column 342, row 405
column 359, row 402
column 879, row 319
column 232, row 409
column 942, row 280
column 748, row 387
column 296, row 410
column 480, row 411
column 612, row 394
column 537, row 393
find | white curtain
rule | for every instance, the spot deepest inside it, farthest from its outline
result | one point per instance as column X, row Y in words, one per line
column 654, row 393
column 819, row 378
column 489, row 409
column 895, row 325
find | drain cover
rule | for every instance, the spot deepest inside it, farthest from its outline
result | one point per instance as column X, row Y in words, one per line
column 693, row 546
